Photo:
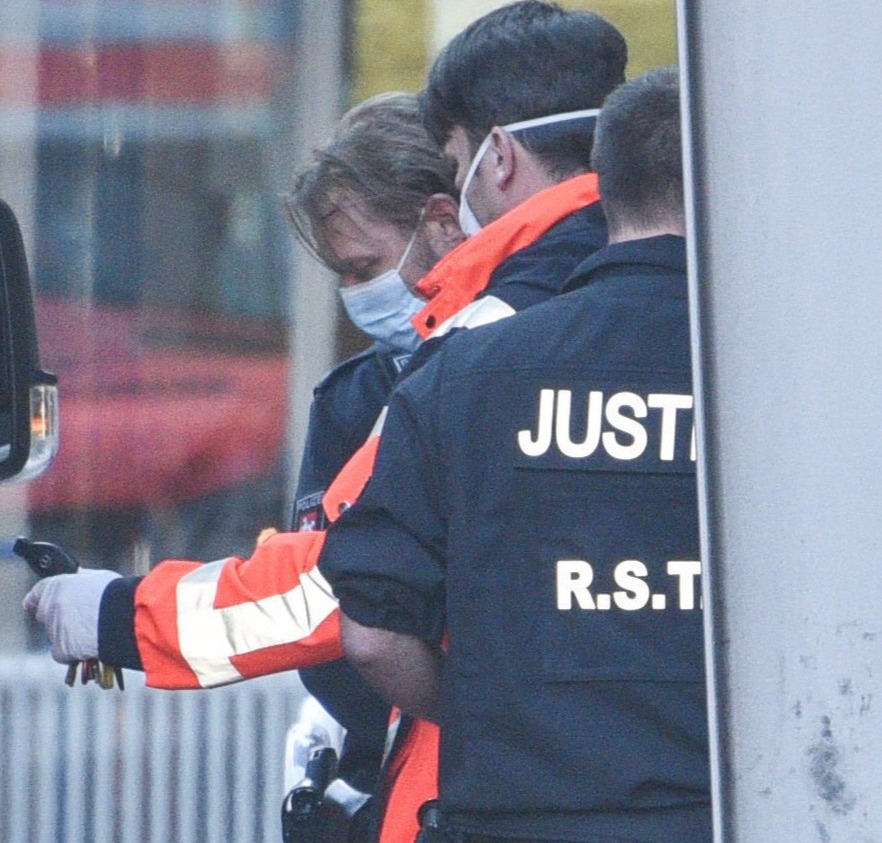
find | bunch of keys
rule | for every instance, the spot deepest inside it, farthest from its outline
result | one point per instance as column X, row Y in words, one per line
column 47, row 560
column 92, row 669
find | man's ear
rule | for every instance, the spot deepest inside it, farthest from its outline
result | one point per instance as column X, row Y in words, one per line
column 441, row 221
column 501, row 157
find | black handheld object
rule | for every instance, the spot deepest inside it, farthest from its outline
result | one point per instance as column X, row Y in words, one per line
column 433, row 825
column 300, row 809
column 46, row 559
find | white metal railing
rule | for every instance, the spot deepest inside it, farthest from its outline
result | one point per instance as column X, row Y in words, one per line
column 84, row 765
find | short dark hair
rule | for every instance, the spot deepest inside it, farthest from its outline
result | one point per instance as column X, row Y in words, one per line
column 638, row 152
column 524, row 60
column 380, row 153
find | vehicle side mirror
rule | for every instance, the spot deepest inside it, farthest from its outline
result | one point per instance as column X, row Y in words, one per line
column 28, row 395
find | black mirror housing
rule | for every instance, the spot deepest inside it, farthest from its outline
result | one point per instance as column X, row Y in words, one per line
column 28, row 396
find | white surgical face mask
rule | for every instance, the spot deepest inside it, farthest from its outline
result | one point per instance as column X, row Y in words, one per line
column 468, row 222
column 384, row 306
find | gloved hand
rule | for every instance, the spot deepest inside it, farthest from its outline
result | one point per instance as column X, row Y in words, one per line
column 67, row 605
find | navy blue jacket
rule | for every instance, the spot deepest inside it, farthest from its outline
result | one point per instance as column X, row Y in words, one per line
column 539, row 271
column 345, row 407
column 534, row 496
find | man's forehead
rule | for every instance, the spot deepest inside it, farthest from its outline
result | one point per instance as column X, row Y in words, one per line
column 344, row 206
column 345, row 217
column 341, row 232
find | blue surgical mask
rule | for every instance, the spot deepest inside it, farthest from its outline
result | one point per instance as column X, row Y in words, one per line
column 468, row 222
column 384, row 306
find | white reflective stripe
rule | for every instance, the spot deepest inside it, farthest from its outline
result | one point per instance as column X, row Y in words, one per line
column 484, row 311
column 209, row 637
column 377, row 429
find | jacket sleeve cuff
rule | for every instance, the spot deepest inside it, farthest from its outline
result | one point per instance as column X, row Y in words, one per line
column 391, row 605
column 117, row 644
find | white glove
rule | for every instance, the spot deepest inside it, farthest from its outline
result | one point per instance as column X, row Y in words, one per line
column 67, row 605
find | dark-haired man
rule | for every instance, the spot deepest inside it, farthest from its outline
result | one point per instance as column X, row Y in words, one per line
column 513, row 99
column 548, row 526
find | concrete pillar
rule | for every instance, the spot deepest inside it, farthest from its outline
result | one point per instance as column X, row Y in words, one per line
column 783, row 107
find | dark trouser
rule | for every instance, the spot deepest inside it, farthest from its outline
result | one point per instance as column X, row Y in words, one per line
column 436, row 829
column 449, row 835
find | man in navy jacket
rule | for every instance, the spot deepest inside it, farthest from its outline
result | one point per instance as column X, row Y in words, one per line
column 534, row 501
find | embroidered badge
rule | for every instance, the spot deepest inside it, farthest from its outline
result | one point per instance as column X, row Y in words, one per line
column 309, row 514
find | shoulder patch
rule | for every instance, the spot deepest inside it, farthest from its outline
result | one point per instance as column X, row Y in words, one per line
column 309, row 515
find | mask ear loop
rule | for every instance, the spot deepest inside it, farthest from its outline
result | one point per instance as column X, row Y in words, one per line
column 473, row 167
column 550, row 119
column 468, row 222
column 412, row 240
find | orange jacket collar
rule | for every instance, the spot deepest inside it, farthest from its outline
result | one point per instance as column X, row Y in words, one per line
column 458, row 278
